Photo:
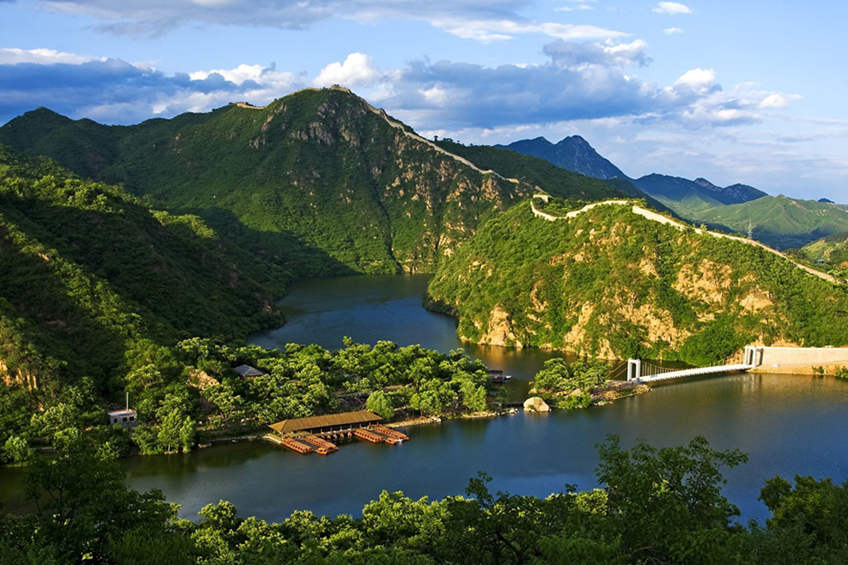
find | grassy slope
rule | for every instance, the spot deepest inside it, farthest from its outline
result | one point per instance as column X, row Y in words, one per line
column 315, row 181
column 832, row 249
column 615, row 284
column 778, row 221
column 87, row 270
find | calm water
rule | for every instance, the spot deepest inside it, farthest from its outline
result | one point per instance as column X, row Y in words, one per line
column 788, row 425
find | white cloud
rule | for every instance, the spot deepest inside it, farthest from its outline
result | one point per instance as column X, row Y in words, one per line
column 573, row 54
column 672, row 30
column 495, row 30
column 577, row 6
column 356, row 70
column 13, row 56
column 672, row 8
column 480, row 20
column 697, row 80
column 778, row 100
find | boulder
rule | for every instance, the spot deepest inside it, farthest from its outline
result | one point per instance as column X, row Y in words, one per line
column 536, row 404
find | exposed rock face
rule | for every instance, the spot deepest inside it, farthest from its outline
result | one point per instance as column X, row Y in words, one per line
column 536, row 404
column 499, row 331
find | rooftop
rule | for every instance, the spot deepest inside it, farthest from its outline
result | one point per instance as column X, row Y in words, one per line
column 325, row 421
column 248, row 371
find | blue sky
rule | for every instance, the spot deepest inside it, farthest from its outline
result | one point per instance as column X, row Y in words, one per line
column 732, row 91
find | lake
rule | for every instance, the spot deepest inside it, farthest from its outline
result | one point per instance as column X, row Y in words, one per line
column 787, row 424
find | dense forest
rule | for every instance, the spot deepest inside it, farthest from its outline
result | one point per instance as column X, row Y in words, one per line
column 652, row 506
column 189, row 393
column 613, row 284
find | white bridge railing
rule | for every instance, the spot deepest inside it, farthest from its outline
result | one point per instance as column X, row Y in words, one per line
column 645, row 372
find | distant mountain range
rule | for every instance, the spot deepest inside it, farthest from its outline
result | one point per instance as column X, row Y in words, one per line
column 778, row 221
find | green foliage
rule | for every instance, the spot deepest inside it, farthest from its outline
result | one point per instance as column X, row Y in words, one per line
column 16, row 449
column 611, row 283
column 654, row 506
column 380, row 403
column 558, row 375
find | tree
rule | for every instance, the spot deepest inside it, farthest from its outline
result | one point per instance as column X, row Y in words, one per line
column 83, row 505
column 16, row 449
column 473, row 397
column 170, row 431
column 380, row 403
column 667, row 503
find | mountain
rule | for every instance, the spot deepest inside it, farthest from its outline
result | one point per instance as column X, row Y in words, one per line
column 732, row 194
column 612, row 283
column 572, row 153
column 684, row 196
column 542, row 173
column 826, row 201
column 318, row 182
column 687, row 197
column 778, row 221
column 89, row 272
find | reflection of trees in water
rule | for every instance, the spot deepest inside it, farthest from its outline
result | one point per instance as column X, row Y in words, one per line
column 217, row 456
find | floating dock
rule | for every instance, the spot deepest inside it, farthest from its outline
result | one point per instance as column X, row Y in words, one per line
column 322, row 446
column 296, row 445
column 389, row 433
column 368, row 435
column 313, row 434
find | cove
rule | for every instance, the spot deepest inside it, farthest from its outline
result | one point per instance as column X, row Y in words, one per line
column 787, row 424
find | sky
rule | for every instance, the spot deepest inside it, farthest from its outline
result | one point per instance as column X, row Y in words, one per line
column 732, row 91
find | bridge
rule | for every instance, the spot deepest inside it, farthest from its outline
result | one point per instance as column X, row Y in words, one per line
column 645, row 372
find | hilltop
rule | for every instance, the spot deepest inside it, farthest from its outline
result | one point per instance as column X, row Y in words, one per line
column 612, row 283
column 318, row 181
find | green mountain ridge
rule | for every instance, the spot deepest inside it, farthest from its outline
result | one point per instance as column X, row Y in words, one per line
column 613, row 284
column 323, row 182
column 778, row 221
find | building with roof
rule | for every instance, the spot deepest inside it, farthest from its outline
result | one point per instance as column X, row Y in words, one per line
column 125, row 416
column 326, row 423
column 248, row 371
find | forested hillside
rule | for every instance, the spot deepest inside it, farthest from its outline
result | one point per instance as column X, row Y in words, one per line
column 614, row 284
column 88, row 272
column 318, row 181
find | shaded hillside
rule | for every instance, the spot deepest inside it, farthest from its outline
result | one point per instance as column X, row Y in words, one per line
column 319, row 180
column 611, row 283
column 572, row 153
column 88, row 271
